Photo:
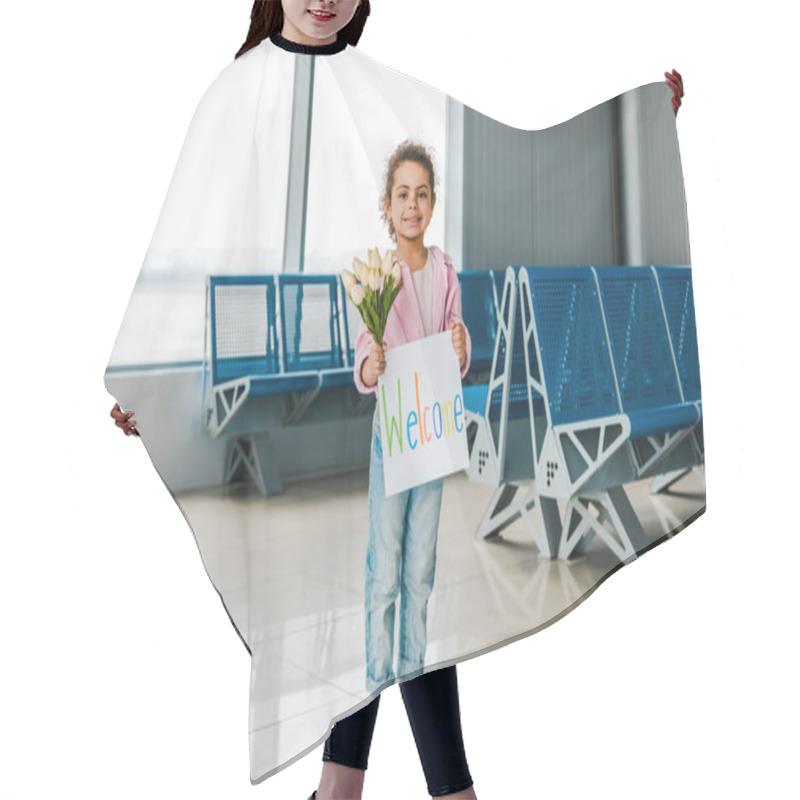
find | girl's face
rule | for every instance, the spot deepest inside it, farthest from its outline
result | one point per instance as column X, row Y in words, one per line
column 315, row 21
column 411, row 203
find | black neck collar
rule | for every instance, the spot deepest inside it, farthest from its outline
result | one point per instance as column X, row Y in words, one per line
column 308, row 49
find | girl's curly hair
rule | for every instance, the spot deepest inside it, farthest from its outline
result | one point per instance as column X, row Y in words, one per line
column 266, row 18
column 408, row 150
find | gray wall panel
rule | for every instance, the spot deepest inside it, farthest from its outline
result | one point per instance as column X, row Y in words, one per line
column 664, row 219
column 570, row 194
column 542, row 197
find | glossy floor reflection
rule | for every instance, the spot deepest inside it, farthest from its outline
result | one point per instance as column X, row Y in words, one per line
column 290, row 569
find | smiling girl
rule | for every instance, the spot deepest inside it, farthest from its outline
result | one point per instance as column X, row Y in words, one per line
column 403, row 528
column 401, row 551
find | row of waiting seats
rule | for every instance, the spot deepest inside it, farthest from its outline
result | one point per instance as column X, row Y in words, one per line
column 257, row 344
column 595, row 383
column 295, row 335
column 592, row 381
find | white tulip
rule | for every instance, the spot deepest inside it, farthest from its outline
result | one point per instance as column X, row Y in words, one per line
column 359, row 268
column 348, row 279
column 375, row 280
column 356, row 294
column 386, row 264
column 396, row 275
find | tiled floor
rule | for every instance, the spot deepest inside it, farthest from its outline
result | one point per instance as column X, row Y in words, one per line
column 291, row 571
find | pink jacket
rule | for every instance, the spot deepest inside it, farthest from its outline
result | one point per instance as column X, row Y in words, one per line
column 405, row 318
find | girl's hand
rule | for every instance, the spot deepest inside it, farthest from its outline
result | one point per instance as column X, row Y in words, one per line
column 124, row 420
column 459, row 336
column 675, row 82
column 374, row 364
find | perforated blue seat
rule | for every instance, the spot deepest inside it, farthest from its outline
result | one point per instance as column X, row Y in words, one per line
column 677, row 296
column 518, row 406
column 662, row 420
column 575, row 361
column 479, row 312
column 475, row 398
column 648, row 386
column 310, row 329
column 244, row 342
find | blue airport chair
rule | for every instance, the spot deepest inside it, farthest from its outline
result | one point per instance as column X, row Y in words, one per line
column 580, row 431
column 486, row 404
column 243, row 347
column 243, row 361
column 479, row 311
column 583, row 426
column 310, row 323
column 310, row 334
column 600, row 388
column 268, row 336
column 677, row 301
column 351, row 319
column 499, row 427
column 675, row 289
column 646, row 378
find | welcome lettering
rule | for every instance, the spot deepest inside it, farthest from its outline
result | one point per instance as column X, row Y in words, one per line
column 423, row 419
column 424, row 425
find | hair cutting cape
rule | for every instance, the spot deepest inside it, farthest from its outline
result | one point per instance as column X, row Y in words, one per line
column 580, row 409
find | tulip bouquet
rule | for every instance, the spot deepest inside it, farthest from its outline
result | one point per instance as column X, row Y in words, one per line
column 373, row 287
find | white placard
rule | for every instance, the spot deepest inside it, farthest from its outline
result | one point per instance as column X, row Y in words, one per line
column 423, row 425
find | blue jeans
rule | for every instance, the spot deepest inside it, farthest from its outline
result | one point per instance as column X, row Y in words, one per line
column 401, row 559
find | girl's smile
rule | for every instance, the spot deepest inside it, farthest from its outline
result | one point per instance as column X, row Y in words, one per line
column 323, row 16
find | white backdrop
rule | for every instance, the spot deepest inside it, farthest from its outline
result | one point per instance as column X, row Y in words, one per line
column 120, row 675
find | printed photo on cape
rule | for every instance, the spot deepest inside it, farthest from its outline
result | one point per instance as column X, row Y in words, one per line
column 582, row 443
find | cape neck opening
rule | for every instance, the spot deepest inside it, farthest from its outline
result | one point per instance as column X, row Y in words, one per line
column 308, row 49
